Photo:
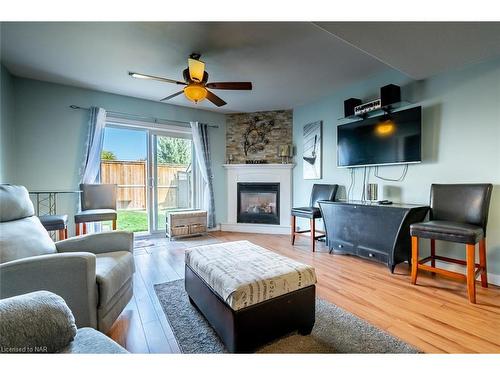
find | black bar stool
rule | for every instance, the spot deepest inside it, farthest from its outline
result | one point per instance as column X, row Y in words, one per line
column 320, row 192
column 56, row 222
column 459, row 213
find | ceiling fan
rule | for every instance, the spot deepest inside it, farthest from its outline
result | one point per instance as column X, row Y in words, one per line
column 195, row 82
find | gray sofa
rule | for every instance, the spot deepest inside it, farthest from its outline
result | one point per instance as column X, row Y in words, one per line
column 92, row 273
column 41, row 322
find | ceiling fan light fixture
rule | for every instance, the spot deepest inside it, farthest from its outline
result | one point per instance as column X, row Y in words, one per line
column 195, row 92
column 196, row 69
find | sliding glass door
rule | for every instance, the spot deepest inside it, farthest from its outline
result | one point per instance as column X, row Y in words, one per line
column 173, row 175
column 153, row 171
column 124, row 162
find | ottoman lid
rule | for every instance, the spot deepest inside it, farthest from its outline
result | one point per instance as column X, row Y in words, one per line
column 244, row 274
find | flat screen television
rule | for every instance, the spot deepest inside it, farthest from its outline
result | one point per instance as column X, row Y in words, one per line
column 393, row 138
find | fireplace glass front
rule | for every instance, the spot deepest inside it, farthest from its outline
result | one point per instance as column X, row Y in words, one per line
column 258, row 203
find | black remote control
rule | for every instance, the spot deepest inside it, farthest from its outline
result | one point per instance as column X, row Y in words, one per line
column 385, row 201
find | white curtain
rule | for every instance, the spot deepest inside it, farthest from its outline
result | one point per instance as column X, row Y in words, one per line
column 91, row 168
column 93, row 146
column 202, row 150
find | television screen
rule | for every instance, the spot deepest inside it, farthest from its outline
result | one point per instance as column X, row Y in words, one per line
column 393, row 138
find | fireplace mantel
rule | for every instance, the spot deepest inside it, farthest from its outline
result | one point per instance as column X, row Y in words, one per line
column 259, row 166
column 266, row 173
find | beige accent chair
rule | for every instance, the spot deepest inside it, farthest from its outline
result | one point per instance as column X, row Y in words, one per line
column 92, row 273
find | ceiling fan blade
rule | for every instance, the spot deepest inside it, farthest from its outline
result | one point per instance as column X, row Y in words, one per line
column 155, row 78
column 230, row 85
column 172, row 96
column 215, row 99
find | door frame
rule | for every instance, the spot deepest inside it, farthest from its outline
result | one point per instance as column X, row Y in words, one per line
column 152, row 131
column 153, row 164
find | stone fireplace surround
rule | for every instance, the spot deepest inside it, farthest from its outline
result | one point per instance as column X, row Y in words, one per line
column 265, row 173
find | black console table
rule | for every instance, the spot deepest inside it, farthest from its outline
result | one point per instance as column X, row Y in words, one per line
column 371, row 230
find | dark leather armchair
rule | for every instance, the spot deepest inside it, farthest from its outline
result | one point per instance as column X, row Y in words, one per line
column 320, row 192
column 459, row 213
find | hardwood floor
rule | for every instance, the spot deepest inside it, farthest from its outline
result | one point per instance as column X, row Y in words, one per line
column 435, row 315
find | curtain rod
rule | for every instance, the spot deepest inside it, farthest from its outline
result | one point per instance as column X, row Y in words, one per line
column 144, row 117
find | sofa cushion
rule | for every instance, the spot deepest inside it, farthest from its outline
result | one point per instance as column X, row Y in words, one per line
column 90, row 341
column 38, row 322
column 88, row 216
column 307, row 212
column 54, row 222
column 15, row 203
column 24, row 238
column 113, row 270
column 448, row 231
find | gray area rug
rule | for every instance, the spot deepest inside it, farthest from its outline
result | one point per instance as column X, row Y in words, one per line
column 335, row 330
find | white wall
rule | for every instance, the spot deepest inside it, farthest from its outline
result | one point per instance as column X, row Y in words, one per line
column 461, row 140
column 49, row 136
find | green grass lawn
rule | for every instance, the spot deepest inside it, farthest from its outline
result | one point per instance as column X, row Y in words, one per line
column 136, row 221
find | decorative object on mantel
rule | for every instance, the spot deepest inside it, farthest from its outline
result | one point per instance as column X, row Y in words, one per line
column 238, row 126
column 230, row 159
column 255, row 161
column 256, row 136
column 311, row 163
column 285, row 152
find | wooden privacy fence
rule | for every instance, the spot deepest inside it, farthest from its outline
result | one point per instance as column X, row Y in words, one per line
column 130, row 176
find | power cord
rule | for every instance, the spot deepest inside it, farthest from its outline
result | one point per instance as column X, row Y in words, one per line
column 351, row 185
column 363, row 186
column 401, row 178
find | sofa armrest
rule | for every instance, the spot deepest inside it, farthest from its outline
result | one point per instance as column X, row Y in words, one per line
column 98, row 243
column 36, row 322
column 71, row 276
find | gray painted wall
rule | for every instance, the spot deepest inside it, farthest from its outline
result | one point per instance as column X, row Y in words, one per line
column 6, row 124
column 461, row 140
column 49, row 136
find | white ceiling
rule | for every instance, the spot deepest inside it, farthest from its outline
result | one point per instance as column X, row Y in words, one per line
column 422, row 49
column 289, row 63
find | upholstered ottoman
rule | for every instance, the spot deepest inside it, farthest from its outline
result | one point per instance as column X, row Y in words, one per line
column 248, row 294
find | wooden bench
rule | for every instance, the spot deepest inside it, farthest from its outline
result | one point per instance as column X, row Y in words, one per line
column 186, row 223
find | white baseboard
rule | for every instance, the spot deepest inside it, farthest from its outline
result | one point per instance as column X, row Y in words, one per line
column 256, row 228
column 493, row 278
column 214, row 229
